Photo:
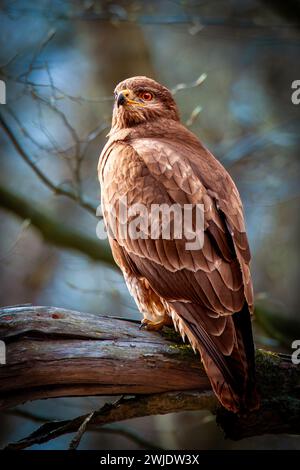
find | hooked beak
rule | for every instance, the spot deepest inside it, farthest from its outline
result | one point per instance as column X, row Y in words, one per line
column 121, row 99
column 124, row 96
column 127, row 97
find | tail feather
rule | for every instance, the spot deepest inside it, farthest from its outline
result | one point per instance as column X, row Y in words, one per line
column 227, row 355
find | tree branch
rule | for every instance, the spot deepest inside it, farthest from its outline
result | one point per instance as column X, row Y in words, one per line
column 53, row 230
column 90, row 207
column 53, row 352
column 124, row 431
column 124, row 408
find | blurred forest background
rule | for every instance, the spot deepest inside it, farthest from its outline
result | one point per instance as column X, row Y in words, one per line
column 230, row 64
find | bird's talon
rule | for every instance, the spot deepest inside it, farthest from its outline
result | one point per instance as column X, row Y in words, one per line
column 151, row 326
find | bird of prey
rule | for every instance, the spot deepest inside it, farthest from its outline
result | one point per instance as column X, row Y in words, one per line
column 151, row 159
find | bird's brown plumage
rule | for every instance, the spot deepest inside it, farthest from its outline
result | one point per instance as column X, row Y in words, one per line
column 151, row 158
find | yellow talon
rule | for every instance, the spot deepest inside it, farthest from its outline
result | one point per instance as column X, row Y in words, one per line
column 152, row 326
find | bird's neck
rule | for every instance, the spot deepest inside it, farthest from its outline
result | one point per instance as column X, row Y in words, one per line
column 154, row 128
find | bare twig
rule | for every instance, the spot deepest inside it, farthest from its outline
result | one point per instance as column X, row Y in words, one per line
column 194, row 114
column 184, row 86
column 257, row 141
column 25, row 225
column 109, row 429
column 43, row 44
column 126, row 408
column 42, row 176
column 82, row 428
column 59, row 93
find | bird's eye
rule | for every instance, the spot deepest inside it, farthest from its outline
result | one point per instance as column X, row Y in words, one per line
column 146, row 96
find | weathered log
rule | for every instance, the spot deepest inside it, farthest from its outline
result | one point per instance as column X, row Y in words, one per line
column 53, row 352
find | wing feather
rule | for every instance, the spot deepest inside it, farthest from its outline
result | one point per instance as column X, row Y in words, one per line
column 206, row 288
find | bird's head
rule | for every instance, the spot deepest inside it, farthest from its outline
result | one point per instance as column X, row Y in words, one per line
column 141, row 99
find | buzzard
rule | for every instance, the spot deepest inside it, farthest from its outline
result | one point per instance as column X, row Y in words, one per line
column 151, row 159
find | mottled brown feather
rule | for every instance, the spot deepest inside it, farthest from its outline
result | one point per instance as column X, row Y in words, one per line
column 207, row 293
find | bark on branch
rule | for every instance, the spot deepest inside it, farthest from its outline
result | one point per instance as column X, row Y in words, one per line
column 52, row 352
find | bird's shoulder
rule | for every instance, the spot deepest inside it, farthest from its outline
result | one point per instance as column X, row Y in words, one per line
column 175, row 159
column 166, row 143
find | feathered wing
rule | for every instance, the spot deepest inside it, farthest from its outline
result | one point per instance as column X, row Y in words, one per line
column 208, row 291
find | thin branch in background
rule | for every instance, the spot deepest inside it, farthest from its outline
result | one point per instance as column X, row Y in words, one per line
column 36, row 54
column 84, row 290
column 78, row 150
column 25, row 132
column 51, row 82
column 30, row 85
column 124, row 431
column 24, row 226
column 75, row 162
column 55, row 147
column 61, row 115
column 42, row 176
column 79, row 434
column 254, row 142
column 93, row 135
column 196, row 27
column 52, row 228
column 9, row 61
column 53, row 429
column 194, row 114
column 124, row 408
column 185, row 86
column 63, row 94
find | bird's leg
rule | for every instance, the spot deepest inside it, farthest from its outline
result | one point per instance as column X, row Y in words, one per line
column 156, row 326
column 153, row 309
